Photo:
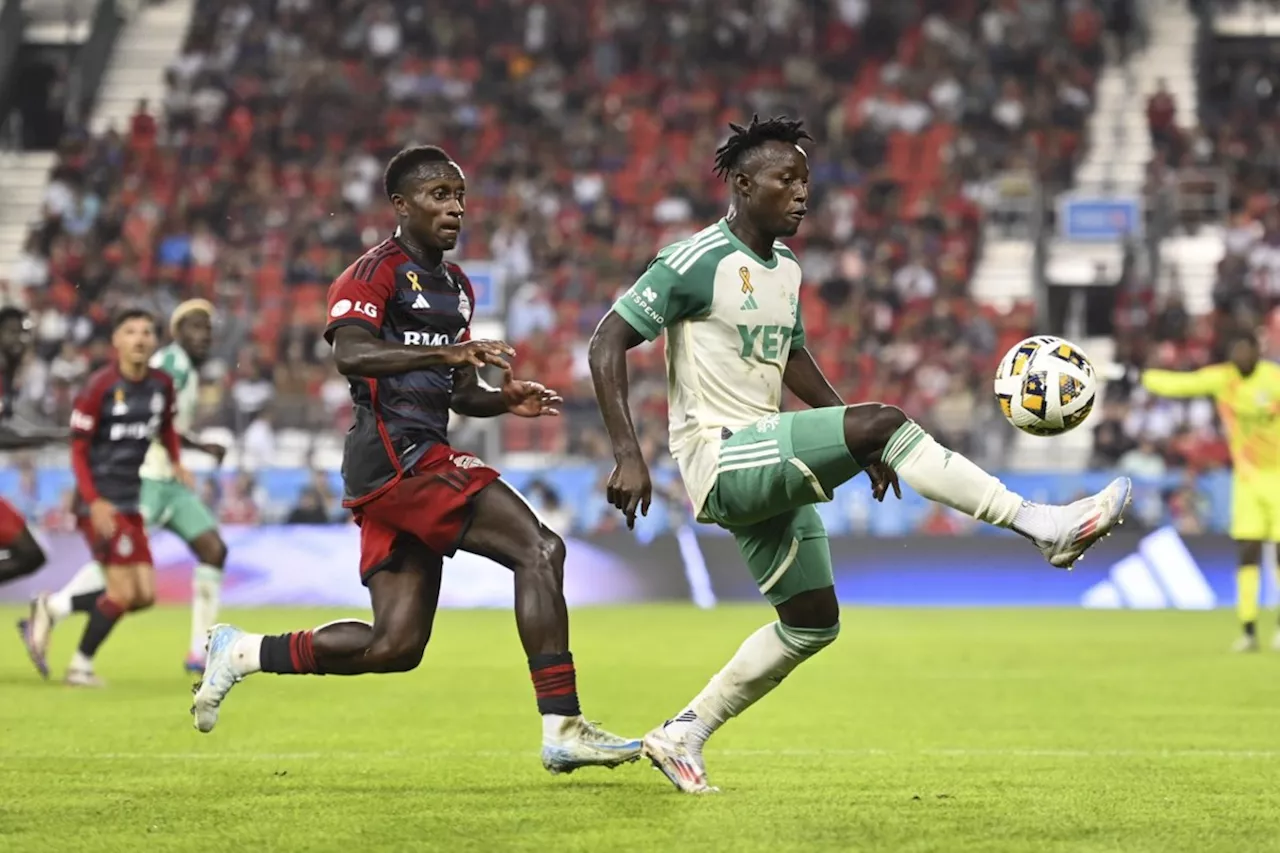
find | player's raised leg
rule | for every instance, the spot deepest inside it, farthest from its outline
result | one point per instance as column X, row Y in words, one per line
column 403, row 594
column 876, row 433
column 505, row 529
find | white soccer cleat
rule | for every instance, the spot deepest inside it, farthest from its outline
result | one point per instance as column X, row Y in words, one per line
column 1249, row 643
column 1084, row 522
column 36, row 629
column 1275, row 642
column 584, row 744
column 83, row 678
column 679, row 762
column 219, row 676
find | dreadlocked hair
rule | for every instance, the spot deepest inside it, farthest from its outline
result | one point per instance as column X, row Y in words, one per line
column 743, row 139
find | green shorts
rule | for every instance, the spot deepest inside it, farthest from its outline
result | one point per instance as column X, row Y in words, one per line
column 171, row 505
column 770, row 476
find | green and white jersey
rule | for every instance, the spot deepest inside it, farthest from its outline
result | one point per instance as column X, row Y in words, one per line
column 731, row 320
column 173, row 360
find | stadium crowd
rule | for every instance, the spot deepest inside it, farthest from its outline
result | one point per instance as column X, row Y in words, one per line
column 1234, row 145
column 587, row 130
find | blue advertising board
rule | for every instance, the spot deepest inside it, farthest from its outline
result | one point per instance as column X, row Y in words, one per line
column 1099, row 219
column 487, row 284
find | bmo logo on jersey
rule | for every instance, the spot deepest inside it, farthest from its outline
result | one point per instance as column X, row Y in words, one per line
column 429, row 339
column 146, row 429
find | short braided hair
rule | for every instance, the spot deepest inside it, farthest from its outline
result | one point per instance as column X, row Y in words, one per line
column 743, row 139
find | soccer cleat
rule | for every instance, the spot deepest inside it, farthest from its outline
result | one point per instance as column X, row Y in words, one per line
column 1084, row 522
column 1248, row 643
column 35, row 633
column 83, row 678
column 1275, row 642
column 219, row 677
column 678, row 762
column 194, row 663
column 585, row 744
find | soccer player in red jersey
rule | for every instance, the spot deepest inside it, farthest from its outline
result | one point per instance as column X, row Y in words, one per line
column 399, row 321
column 120, row 410
column 20, row 554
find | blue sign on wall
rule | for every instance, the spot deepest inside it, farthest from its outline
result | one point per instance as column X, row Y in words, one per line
column 1099, row 219
column 487, row 285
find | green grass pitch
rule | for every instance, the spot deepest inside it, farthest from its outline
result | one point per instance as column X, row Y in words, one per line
column 919, row 730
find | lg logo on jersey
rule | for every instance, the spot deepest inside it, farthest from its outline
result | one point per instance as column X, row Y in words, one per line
column 428, row 339
column 345, row 306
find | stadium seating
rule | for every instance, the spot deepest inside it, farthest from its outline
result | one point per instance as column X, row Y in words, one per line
column 588, row 141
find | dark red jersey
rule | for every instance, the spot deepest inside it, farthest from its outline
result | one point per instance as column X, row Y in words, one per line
column 112, row 426
column 398, row 418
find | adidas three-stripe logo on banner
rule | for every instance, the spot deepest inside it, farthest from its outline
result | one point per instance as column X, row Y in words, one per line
column 1161, row 575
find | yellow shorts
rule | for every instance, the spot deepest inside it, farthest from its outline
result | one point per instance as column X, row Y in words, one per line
column 1255, row 509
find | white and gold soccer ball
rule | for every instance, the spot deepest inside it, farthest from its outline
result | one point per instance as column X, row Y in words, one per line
column 1046, row 385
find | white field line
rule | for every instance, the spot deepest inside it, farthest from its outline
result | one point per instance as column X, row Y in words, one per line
column 1135, row 754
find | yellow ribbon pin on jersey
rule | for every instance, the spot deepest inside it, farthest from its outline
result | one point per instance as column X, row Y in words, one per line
column 745, row 275
column 412, row 275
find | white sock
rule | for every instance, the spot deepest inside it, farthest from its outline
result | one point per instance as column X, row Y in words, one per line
column 246, row 654
column 80, row 663
column 557, row 728
column 206, row 590
column 946, row 477
column 89, row 578
column 761, row 662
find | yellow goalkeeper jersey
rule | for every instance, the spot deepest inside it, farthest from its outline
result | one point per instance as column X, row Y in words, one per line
column 1249, row 407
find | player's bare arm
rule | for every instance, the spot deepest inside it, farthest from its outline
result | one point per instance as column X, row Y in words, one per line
column 358, row 352
column 475, row 398
column 208, row 448
column 804, row 378
column 630, row 487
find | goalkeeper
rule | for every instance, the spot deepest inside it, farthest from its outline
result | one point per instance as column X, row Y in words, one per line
column 1247, row 393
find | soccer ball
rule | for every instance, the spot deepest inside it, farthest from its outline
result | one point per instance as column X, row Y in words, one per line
column 1045, row 385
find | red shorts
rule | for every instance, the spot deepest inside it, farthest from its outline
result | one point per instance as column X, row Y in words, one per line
column 11, row 524
column 128, row 547
column 431, row 504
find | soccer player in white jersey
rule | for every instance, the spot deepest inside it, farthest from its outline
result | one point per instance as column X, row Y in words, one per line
column 165, row 502
column 728, row 300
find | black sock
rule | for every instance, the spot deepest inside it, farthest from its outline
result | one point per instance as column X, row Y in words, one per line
column 102, row 618
column 288, row 654
column 1251, row 629
column 555, row 683
column 85, row 601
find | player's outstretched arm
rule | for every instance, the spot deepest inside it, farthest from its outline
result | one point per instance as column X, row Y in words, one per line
column 804, row 378
column 358, row 352
column 1205, row 382
column 630, row 487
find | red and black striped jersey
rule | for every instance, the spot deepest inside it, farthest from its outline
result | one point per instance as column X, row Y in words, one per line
column 398, row 418
column 112, row 425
